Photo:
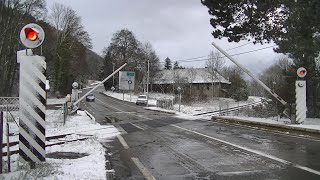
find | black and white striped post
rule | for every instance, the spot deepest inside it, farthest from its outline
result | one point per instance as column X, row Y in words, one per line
column 32, row 97
column 301, row 96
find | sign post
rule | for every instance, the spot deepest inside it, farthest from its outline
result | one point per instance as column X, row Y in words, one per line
column 126, row 81
column 129, row 83
column 32, row 97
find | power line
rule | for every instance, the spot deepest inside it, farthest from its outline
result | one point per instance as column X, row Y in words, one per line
column 207, row 55
column 239, row 46
column 192, row 58
column 199, row 60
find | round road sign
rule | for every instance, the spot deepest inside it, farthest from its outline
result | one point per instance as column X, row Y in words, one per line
column 32, row 35
column 75, row 85
column 129, row 82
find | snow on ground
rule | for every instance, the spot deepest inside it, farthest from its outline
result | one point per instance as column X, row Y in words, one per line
column 193, row 108
column 80, row 126
column 214, row 105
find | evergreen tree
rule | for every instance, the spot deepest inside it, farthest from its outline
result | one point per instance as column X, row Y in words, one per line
column 292, row 25
column 176, row 65
column 167, row 63
column 107, row 69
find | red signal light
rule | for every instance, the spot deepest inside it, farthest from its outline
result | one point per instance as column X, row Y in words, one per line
column 302, row 72
column 31, row 34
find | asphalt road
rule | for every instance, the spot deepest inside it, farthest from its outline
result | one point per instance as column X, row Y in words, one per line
column 156, row 145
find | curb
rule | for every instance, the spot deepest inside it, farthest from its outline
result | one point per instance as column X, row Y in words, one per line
column 90, row 116
column 281, row 126
column 157, row 110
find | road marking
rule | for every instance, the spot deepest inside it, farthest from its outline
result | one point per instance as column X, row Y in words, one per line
column 137, row 126
column 123, row 142
column 253, row 151
column 146, row 173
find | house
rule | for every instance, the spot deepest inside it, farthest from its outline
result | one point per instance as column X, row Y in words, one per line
column 197, row 82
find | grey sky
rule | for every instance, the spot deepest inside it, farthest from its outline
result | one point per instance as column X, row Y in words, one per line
column 178, row 29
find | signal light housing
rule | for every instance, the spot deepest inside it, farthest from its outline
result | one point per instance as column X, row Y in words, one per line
column 32, row 36
column 301, row 72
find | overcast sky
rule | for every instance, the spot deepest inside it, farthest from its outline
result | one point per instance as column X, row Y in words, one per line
column 178, row 29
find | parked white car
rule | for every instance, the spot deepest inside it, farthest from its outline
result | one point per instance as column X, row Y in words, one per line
column 142, row 99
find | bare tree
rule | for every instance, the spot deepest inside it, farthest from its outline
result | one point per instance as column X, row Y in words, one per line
column 154, row 62
column 214, row 63
column 71, row 43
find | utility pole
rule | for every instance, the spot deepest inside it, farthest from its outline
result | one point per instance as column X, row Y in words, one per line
column 179, row 90
column 148, row 73
column 113, row 75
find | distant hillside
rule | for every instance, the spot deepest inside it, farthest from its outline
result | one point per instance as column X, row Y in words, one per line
column 94, row 62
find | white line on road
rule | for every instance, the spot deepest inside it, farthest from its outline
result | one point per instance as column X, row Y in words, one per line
column 253, row 151
column 136, row 161
column 146, row 173
column 137, row 126
column 123, row 142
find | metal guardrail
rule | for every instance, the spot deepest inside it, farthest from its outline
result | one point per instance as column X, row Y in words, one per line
column 9, row 103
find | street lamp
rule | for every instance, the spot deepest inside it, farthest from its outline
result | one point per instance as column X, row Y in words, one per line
column 179, row 90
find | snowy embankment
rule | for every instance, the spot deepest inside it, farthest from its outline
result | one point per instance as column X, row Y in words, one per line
column 84, row 137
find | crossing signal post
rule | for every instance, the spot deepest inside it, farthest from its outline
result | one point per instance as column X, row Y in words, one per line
column 32, row 96
column 301, row 96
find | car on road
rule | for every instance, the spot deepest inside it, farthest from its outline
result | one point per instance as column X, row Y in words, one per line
column 142, row 99
column 90, row 97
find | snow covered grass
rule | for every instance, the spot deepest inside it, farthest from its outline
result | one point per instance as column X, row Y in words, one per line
column 79, row 126
column 214, row 105
column 193, row 108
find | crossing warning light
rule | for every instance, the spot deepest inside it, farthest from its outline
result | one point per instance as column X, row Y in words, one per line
column 32, row 36
column 302, row 72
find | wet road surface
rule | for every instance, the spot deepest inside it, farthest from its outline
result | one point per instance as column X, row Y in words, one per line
column 156, row 145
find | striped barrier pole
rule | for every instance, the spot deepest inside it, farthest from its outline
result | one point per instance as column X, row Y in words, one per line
column 32, row 109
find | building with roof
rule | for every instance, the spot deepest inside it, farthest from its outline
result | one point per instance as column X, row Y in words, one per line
column 198, row 82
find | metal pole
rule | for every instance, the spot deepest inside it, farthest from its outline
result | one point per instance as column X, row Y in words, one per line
column 75, row 103
column 1, row 138
column 179, row 100
column 113, row 75
column 8, row 148
column 130, row 91
column 123, row 95
column 148, row 73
